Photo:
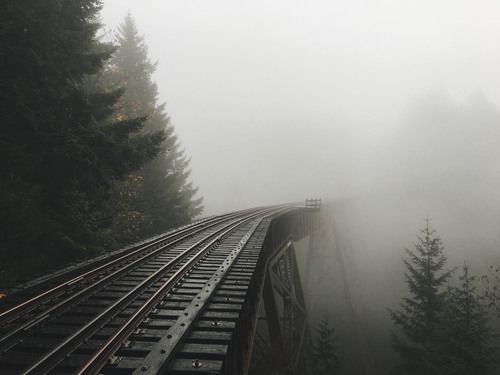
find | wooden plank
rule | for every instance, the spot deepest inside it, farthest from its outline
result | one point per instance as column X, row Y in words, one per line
column 225, row 306
column 186, row 366
column 210, row 324
column 193, row 350
column 210, row 336
column 220, row 315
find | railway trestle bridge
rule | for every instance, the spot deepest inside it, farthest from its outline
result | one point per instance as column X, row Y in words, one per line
column 221, row 295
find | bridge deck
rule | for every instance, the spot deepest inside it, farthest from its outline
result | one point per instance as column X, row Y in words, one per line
column 181, row 303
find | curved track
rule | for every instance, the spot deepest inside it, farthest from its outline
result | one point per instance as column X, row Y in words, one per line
column 132, row 312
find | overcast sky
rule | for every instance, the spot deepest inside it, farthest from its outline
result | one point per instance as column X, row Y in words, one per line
column 280, row 100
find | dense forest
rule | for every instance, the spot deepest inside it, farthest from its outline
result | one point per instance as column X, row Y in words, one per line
column 89, row 159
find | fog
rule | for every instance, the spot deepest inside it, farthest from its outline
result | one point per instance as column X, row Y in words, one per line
column 386, row 109
column 276, row 101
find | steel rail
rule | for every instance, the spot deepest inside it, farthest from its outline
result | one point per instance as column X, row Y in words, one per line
column 11, row 314
column 67, row 303
column 152, row 363
column 100, row 357
column 55, row 356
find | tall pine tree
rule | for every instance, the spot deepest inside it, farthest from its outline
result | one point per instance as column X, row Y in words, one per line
column 160, row 195
column 470, row 340
column 420, row 318
column 324, row 354
column 61, row 149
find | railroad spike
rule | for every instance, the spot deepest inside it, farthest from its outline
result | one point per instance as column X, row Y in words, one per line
column 197, row 363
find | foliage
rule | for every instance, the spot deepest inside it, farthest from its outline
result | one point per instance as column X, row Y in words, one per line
column 61, row 149
column 324, row 354
column 443, row 329
column 159, row 195
column 491, row 283
column 420, row 316
column 470, row 339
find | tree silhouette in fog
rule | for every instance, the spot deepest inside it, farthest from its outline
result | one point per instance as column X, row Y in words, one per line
column 471, row 341
column 443, row 329
column 159, row 195
column 421, row 314
column 325, row 359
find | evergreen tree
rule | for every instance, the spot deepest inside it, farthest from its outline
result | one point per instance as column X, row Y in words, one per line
column 160, row 195
column 61, row 149
column 324, row 355
column 420, row 319
column 491, row 283
column 470, row 340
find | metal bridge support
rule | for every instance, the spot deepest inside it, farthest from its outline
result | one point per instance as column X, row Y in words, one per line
column 282, row 335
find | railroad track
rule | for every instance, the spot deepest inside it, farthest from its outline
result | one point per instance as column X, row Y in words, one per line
column 169, row 304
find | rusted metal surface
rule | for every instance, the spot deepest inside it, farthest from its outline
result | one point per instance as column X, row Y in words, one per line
column 187, row 302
